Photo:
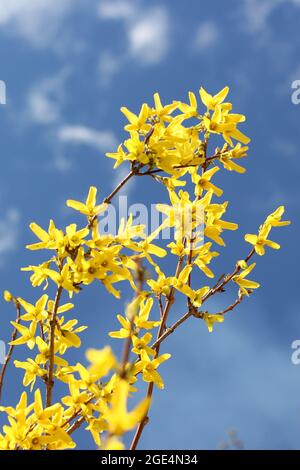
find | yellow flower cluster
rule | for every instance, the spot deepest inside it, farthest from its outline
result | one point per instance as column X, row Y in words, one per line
column 160, row 140
column 171, row 144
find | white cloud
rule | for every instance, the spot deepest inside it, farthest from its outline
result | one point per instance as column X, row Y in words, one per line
column 256, row 13
column 149, row 36
column 147, row 31
column 206, row 36
column 114, row 10
column 108, row 66
column 61, row 163
column 38, row 21
column 101, row 140
column 8, row 233
column 44, row 100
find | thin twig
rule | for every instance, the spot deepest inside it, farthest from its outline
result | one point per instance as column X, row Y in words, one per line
column 108, row 199
column 50, row 383
column 165, row 314
column 42, row 330
column 171, row 329
column 231, row 306
column 76, row 425
column 11, row 348
column 220, row 286
column 194, row 313
column 128, row 342
column 161, row 307
column 162, row 337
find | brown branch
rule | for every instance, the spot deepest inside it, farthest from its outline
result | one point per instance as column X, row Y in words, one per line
column 126, row 351
column 134, row 171
column 162, row 336
column 76, row 425
column 231, row 306
column 165, row 314
column 161, row 307
column 149, row 172
column 42, row 330
column 171, row 329
column 128, row 342
column 11, row 348
column 220, row 286
column 195, row 313
column 108, row 199
column 49, row 382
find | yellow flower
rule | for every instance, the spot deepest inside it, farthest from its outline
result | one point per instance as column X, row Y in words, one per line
column 260, row 241
column 215, row 225
column 204, row 257
column 35, row 312
column 113, row 443
column 183, row 214
column 245, row 284
column 221, row 122
column 211, row 319
column 274, row 219
column 161, row 285
column 51, row 240
column 66, row 334
column 203, row 182
column 41, row 414
column 39, row 274
column 211, row 101
column 137, row 151
column 63, row 278
column 89, row 208
column 148, row 368
column 140, row 319
column 8, row 297
column 77, row 400
column 227, row 157
column 75, row 237
column 102, row 361
column 120, row 156
column 136, row 122
column 141, row 344
column 44, row 351
column 96, row 427
column 27, row 334
column 118, row 418
column 163, row 112
column 189, row 110
column 32, row 371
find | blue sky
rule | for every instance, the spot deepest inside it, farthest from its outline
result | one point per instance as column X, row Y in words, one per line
column 69, row 66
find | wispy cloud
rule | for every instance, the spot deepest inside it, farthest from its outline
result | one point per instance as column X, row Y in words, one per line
column 101, row 140
column 256, row 13
column 119, row 9
column 207, row 35
column 37, row 21
column 108, row 66
column 8, row 233
column 45, row 99
column 147, row 35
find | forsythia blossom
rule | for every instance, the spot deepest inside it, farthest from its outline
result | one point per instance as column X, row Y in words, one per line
column 173, row 144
